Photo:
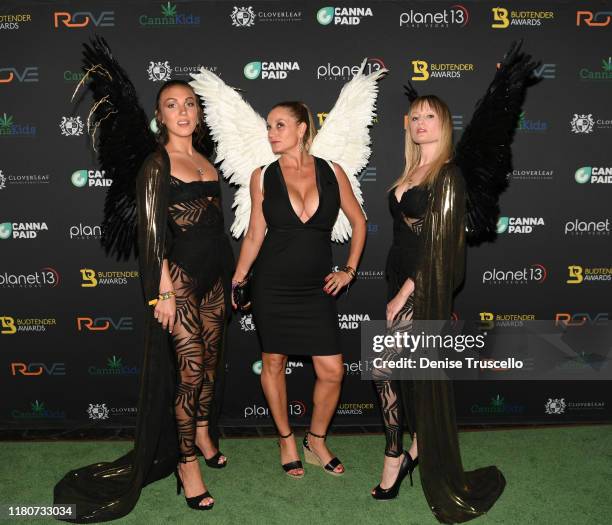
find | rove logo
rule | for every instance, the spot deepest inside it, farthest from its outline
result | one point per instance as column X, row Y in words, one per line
column 83, row 19
column 38, row 369
column 269, row 70
column 102, row 324
column 344, row 16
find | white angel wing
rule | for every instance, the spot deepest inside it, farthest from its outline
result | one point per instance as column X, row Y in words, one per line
column 241, row 136
column 344, row 137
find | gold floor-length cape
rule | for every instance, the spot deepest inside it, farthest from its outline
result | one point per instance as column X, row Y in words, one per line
column 453, row 494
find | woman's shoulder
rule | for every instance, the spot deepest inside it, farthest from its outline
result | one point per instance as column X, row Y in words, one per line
column 452, row 174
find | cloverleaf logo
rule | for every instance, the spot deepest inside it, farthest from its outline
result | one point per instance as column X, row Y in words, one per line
column 325, row 15
column 6, row 229
column 79, row 178
column 252, row 70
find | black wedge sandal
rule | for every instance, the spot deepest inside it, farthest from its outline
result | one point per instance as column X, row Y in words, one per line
column 313, row 459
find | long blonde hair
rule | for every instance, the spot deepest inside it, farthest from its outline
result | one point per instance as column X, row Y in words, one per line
column 445, row 144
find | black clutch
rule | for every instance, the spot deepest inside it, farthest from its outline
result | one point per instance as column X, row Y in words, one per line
column 241, row 294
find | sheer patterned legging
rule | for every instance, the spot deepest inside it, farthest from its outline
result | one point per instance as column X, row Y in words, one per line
column 388, row 391
column 197, row 338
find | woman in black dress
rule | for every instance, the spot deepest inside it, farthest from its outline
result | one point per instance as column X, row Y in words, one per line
column 169, row 212
column 297, row 199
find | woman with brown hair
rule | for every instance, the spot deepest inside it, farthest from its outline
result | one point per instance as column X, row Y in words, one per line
column 293, row 201
column 165, row 207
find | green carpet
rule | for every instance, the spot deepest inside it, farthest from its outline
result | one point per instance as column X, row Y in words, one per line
column 554, row 475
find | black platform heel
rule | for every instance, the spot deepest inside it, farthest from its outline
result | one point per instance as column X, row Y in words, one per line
column 287, row 467
column 313, row 459
column 407, row 466
column 193, row 503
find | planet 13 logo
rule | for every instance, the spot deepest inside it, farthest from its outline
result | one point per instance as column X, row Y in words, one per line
column 536, row 273
column 343, row 16
column 45, row 277
column 296, row 409
column 270, row 70
column 582, row 274
column 455, row 16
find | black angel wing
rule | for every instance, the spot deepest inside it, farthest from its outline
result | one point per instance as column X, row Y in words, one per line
column 124, row 140
column 483, row 152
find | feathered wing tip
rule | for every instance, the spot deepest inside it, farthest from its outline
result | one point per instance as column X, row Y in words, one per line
column 484, row 151
column 241, row 137
column 411, row 92
column 344, row 137
column 121, row 137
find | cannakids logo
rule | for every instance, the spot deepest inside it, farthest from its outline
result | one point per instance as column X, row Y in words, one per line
column 44, row 278
column 270, row 70
column 9, row 128
column 38, row 410
column 423, row 70
column 536, row 273
column 497, row 406
column 593, row 175
column 114, row 367
column 169, row 18
column 502, row 18
column 22, row 230
column 518, row 224
column 343, row 16
column 90, row 278
column 605, row 74
column 455, row 16
column 13, row 325
column 90, row 179
column 583, row 274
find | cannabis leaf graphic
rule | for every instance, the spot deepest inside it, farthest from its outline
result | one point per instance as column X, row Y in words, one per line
column 38, row 407
column 6, row 121
column 114, row 362
column 497, row 401
column 606, row 65
column 169, row 9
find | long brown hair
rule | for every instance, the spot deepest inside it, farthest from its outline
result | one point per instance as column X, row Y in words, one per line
column 302, row 114
column 201, row 138
column 413, row 150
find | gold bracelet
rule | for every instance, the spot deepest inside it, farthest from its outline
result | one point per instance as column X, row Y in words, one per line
column 349, row 270
column 166, row 295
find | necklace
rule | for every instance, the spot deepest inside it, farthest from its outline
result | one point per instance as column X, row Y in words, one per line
column 200, row 171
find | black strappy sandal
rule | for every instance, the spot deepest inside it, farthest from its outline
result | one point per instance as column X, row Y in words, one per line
column 288, row 467
column 193, row 503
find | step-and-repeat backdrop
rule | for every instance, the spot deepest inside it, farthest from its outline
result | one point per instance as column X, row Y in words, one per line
column 71, row 318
